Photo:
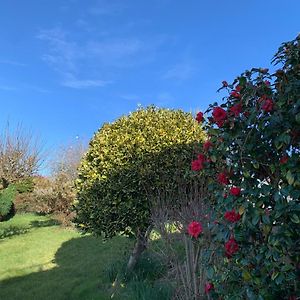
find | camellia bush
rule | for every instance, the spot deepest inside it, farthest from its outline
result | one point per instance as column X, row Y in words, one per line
column 252, row 159
column 129, row 162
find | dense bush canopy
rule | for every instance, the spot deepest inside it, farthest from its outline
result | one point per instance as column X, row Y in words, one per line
column 129, row 160
column 254, row 165
column 7, row 197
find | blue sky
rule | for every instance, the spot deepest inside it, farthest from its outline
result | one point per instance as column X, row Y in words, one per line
column 68, row 66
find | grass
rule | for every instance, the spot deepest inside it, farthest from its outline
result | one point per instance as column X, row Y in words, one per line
column 145, row 283
column 41, row 260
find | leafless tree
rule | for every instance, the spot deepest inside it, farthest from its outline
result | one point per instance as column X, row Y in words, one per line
column 67, row 160
column 63, row 174
column 21, row 154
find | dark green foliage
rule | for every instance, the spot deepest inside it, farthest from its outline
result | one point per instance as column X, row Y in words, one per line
column 6, row 201
column 258, row 148
column 25, row 185
column 128, row 162
column 147, row 281
column 142, row 289
column 9, row 195
column 12, row 231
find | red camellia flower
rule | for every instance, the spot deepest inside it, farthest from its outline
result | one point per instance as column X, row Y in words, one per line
column 284, row 159
column 262, row 98
column 238, row 88
column 235, row 191
column 267, row 82
column 199, row 117
column 225, row 83
column 267, row 105
column 197, row 165
column 232, row 216
column 202, row 158
column 223, row 179
column 207, row 145
column 208, row 287
column 231, row 247
column 219, row 115
column 235, row 94
column 194, row 229
column 236, row 109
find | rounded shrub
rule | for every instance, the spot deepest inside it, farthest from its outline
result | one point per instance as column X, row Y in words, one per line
column 7, row 197
column 128, row 161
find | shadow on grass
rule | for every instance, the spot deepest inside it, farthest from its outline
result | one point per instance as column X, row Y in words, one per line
column 44, row 223
column 79, row 274
column 12, row 231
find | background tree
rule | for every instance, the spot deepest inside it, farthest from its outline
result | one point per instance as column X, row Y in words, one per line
column 20, row 155
column 63, row 175
column 66, row 161
column 139, row 155
column 55, row 193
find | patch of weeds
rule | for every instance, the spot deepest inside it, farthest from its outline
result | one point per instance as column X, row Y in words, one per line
column 144, row 283
column 145, row 290
column 149, row 267
column 114, row 270
column 44, row 223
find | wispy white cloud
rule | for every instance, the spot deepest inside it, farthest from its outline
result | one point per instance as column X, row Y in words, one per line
column 62, row 53
column 179, row 71
column 84, row 83
column 119, row 52
column 76, row 59
column 65, row 57
column 12, row 63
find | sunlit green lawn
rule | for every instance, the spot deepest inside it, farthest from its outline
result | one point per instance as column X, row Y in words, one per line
column 41, row 260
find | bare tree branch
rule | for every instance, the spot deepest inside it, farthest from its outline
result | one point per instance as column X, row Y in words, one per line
column 21, row 154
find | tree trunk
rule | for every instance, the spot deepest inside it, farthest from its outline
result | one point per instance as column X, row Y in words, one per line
column 140, row 246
